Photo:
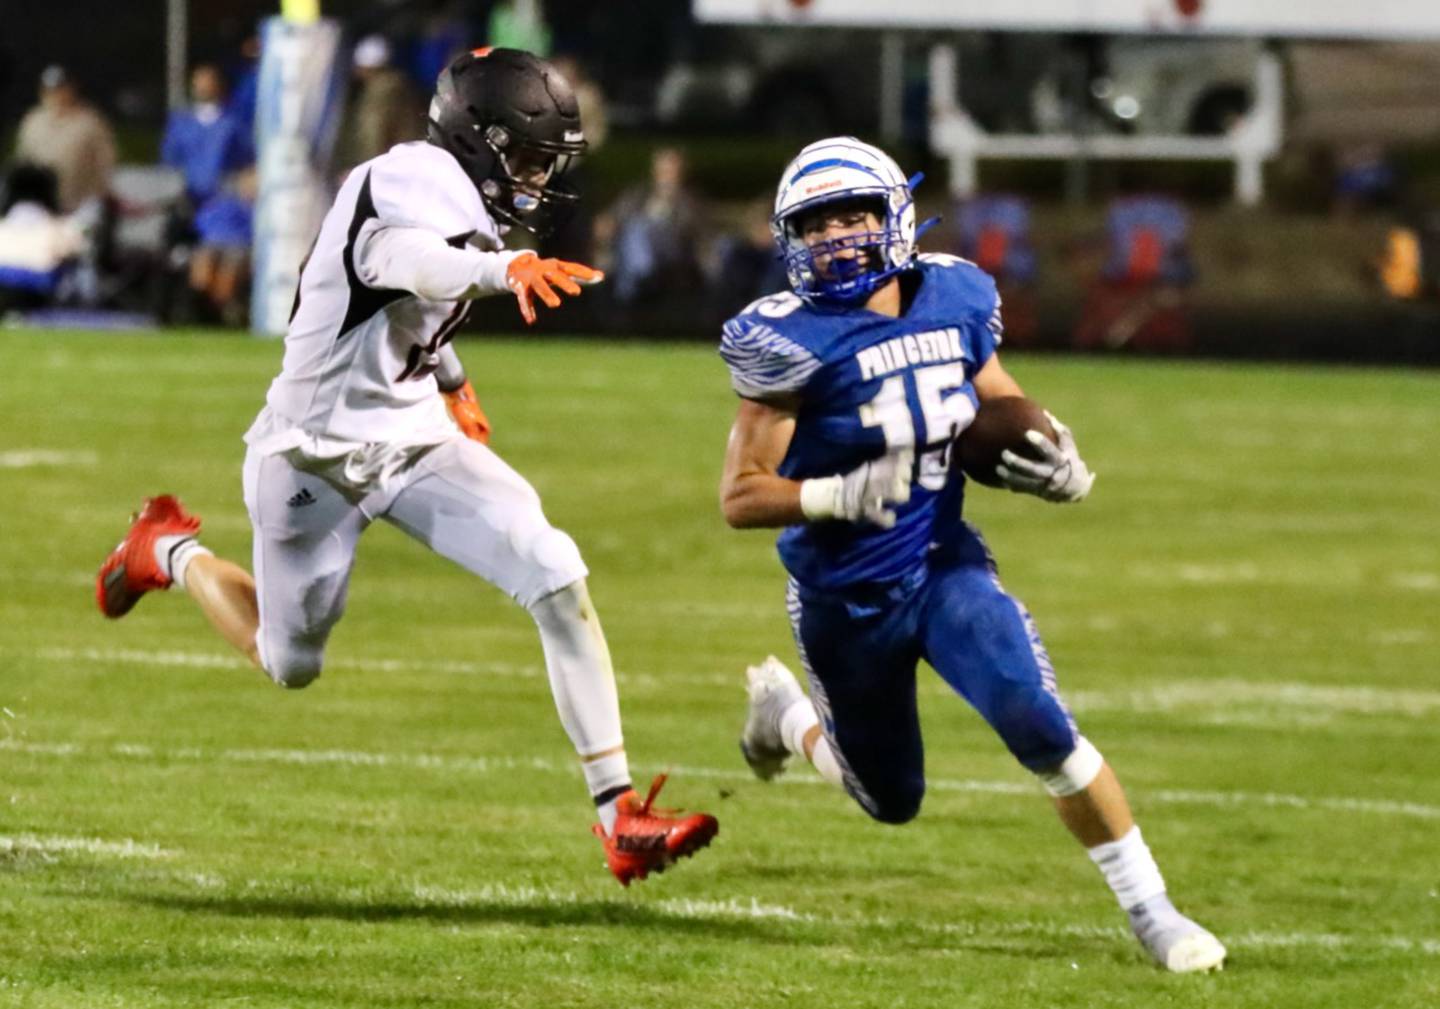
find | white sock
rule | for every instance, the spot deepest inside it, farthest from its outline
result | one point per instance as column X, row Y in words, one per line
column 174, row 554
column 1129, row 869
column 608, row 778
column 824, row 760
column 795, row 722
column 583, row 684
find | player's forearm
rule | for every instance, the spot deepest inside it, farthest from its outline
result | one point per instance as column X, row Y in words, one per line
column 993, row 382
column 450, row 373
column 761, row 501
column 418, row 261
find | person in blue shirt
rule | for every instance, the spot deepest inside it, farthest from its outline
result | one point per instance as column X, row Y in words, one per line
column 213, row 147
column 853, row 386
column 203, row 140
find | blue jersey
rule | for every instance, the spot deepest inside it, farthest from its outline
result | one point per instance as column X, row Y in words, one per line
column 865, row 383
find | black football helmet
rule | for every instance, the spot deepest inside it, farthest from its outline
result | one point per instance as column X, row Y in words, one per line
column 513, row 124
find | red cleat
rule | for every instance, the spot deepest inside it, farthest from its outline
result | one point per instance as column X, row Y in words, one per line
column 649, row 840
column 131, row 570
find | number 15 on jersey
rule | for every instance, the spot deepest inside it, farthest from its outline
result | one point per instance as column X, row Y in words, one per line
column 944, row 409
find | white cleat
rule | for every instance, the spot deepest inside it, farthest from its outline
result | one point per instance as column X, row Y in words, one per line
column 772, row 690
column 1176, row 943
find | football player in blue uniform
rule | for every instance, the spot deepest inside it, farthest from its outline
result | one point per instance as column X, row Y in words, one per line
column 853, row 388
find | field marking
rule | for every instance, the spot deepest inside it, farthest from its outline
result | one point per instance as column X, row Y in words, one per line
column 35, row 457
column 515, row 670
column 1224, row 693
column 488, row 765
column 1301, row 703
column 1177, row 796
column 24, row 844
column 529, row 896
column 218, row 660
column 1417, row 581
column 1250, row 573
column 752, row 909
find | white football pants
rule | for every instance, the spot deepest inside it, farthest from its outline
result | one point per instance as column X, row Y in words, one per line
column 458, row 498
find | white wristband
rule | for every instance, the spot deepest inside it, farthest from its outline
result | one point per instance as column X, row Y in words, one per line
column 820, row 497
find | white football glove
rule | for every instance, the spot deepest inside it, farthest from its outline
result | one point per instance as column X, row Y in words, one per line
column 1060, row 476
column 865, row 494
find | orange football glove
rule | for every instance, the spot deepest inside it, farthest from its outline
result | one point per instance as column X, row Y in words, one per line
column 529, row 275
column 465, row 411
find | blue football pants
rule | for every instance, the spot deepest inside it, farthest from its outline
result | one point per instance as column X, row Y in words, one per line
column 860, row 649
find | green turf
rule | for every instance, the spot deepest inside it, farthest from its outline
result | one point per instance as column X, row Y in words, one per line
column 1245, row 615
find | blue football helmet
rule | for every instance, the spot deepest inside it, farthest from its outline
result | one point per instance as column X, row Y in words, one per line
column 844, row 169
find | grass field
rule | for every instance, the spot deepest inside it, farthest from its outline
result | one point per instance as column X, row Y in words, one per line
column 1245, row 616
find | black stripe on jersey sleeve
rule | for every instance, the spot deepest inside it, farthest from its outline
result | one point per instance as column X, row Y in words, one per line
column 365, row 302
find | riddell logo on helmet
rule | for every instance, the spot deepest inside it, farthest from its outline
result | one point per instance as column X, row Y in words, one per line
column 823, row 186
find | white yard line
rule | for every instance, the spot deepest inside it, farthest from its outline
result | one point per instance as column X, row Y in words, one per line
column 1224, row 694
column 488, row 765
column 751, row 908
column 1224, row 701
column 1416, row 581
column 218, row 660
column 512, row 670
column 33, row 457
column 529, row 896
column 22, row 844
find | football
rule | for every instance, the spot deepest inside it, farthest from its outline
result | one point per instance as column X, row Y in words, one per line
column 1000, row 424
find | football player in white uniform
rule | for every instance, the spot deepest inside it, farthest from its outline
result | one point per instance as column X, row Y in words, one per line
column 356, row 428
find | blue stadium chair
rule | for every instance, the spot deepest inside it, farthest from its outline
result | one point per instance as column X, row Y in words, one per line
column 1148, row 242
column 993, row 232
column 1138, row 302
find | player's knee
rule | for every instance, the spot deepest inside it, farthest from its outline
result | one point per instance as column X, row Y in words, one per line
column 552, row 554
column 1036, row 729
column 899, row 802
column 554, row 550
column 1075, row 773
column 292, row 665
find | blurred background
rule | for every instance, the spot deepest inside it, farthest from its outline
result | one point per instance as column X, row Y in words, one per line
column 1176, row 177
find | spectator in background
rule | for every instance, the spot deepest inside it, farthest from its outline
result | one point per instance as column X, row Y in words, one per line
column 652, row 232
column 1365, row 179
column 1401, row 266
column 215, row 151
column 220, row 263
column 1409, row 265
column 244, row 71
column 36, row 242
column 71, row 138
column 385, row 109
column 747, row 265
column 445, row 33
column 203, row 141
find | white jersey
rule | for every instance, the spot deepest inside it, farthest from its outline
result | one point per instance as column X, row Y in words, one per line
column 360, row 353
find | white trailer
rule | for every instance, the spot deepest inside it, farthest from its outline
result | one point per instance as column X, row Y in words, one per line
column 1253, row 139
